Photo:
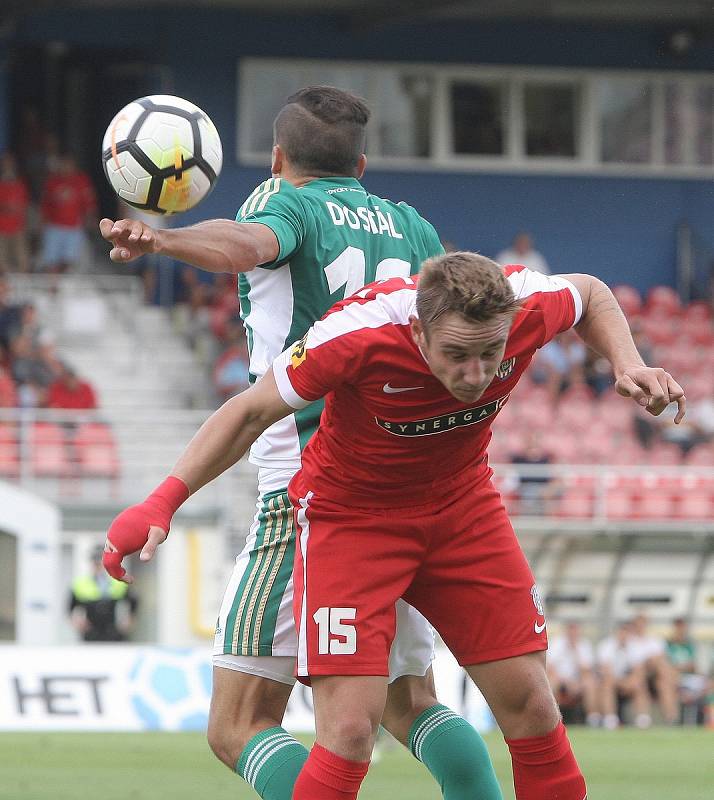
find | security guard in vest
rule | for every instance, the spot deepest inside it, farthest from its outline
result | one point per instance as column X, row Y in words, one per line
column 101, row 609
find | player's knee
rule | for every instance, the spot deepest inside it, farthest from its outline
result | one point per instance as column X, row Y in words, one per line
column 220, row 744
column 352, row 735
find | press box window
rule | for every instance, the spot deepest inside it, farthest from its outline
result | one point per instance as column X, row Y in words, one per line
column 478, row 113
column 625, row 112
column 551, row 120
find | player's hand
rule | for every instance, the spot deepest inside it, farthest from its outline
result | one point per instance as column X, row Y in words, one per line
column 143, row 526
column 653, row 388
column 129, row 238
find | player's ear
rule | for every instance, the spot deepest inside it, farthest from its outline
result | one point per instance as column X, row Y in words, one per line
column 361, row 166
column 417, row 331
column 276, row 162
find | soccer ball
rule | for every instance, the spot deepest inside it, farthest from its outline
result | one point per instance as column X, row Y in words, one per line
column 170, row 689
column 162, row 154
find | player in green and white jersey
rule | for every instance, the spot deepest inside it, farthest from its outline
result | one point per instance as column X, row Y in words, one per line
column 305, row 238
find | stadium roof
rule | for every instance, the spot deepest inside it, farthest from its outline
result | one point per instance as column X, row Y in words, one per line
column 666, row 12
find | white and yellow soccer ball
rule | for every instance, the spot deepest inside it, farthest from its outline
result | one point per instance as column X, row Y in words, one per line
column 162, row 154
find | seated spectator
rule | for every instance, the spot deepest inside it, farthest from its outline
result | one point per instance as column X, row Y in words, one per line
column 8, row 392
column 536, row 490
column 523, row 252
column 68, row 205
column 650, row 652
column 28, row 365
column 693, row 687
column 69, row 392
column 230, row 373
column 561, row 363
column 14, row 202
column 571, row 672
column 621, row 679
column 10, row 314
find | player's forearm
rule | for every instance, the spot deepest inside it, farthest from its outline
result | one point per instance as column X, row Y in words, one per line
column 220, row 442
column 217, row 245
column 603, row 327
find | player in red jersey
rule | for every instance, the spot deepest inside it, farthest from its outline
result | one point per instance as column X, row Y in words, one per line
column 394, row 498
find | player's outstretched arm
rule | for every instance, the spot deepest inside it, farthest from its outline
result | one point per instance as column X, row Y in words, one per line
column 603, row 327
column 217, row 245
column 219, row 443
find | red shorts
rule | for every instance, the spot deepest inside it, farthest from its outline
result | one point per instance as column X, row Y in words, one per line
column 458, row 562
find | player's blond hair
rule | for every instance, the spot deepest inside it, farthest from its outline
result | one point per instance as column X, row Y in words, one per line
column 466, row 283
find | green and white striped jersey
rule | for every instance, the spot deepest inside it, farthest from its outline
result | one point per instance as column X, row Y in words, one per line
column 334, row 238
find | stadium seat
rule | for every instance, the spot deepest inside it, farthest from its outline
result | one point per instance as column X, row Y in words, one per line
column 629, row 299
column 662, row 300
column 96, row 451
column 48, row 451
column 655, row 503
column 576, row 502
column 9, row 452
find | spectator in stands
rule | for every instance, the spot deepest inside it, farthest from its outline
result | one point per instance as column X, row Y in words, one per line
column 621, row 679
column 522, row 251
column 650, row 652
column 101, row 608
column 693, row 687
column 14, row 202
column 8, row 392
column 571, row 672
column 536, row 489
column 560, row 364
column 68, row 205
column 10, row 314
column 70, row 392
column 230, row 373
column 702, row 417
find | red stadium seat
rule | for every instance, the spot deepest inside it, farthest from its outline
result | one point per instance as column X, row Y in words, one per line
column 629, row 299
column 576, row 502
column 9, row 452
column 48, row 451
column 621, row 503
column 655, row 503
column 696, row 505
column 663, row 300
column 96, row 451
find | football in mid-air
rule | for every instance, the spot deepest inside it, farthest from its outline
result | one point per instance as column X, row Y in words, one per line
column 162, row 154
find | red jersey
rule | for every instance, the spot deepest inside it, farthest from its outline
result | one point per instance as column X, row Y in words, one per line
column 391, row 434
column 67, row 199
column 14, row 199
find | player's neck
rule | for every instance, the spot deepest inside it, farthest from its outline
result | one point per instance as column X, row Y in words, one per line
column 301, row 180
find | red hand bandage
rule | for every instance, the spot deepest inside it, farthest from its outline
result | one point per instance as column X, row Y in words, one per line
column 129, row 531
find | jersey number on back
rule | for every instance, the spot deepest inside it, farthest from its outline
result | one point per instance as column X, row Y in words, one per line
column 350, row 267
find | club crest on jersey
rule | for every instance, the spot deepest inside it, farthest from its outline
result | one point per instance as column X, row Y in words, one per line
column 505, row 368
column 444, row 423
column 299, row 352
column 537, row 602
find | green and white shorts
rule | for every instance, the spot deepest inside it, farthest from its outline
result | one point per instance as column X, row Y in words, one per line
column 255, row 632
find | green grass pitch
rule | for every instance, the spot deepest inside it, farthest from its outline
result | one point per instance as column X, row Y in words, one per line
column 659, row 764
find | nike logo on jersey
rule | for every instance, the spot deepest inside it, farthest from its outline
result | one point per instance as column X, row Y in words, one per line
column 538, row 628
column 387, row 389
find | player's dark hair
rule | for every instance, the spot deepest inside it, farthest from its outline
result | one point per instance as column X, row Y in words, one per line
column 322, row 130
column 467, row 283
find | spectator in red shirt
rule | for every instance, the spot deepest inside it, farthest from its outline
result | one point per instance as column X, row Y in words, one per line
column 69, row 392
column 68, row 205
column 14, row 201
column 8, row 395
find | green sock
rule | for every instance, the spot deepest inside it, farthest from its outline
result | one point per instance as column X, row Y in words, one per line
column 270, row 763
column 455, row 754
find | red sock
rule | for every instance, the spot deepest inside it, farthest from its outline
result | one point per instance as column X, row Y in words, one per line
column 326, row 776
column 544, row 768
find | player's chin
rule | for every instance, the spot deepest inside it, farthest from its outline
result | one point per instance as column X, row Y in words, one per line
column 467, row 395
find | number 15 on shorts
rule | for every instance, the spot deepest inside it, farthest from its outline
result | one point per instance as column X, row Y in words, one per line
column 335, row 637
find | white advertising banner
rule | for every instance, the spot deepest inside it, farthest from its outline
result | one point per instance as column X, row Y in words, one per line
column 129, row 688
